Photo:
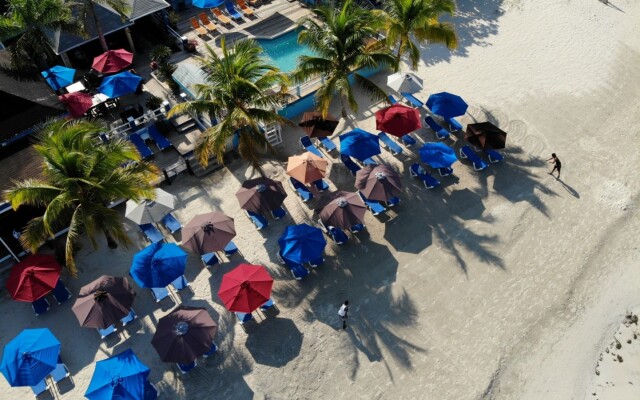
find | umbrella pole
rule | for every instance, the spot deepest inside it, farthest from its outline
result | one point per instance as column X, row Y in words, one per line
column 11, row 252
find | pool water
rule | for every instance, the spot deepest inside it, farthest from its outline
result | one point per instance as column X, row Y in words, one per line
column 285, row 50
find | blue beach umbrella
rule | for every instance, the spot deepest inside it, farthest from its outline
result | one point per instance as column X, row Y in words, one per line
column 359, row 144
column 158, row 264
column 447, row 105
column 438, row 155
column 30, row 357
column 120, row 84
column 120, row 377
column 58, row 77
column 207, row 3
column 302, row 243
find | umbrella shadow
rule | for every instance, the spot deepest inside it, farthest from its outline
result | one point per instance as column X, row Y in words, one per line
column 277, row 342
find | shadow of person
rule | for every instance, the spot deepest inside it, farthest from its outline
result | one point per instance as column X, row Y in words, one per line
column 569, row 189
column 275, row 343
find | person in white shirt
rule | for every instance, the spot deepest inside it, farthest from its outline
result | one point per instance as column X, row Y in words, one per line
column 342, row 312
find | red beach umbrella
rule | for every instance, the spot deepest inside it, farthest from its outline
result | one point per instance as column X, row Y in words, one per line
column 245, row 288
column 398, row 120
column 77, row 103
column 112, row 61
column 33, row 277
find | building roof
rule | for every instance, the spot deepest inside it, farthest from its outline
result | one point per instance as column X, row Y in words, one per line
column 187, row 75
column 23, row 164
column 142, row 8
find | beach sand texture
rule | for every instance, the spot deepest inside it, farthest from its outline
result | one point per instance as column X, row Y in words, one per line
column 503, row 284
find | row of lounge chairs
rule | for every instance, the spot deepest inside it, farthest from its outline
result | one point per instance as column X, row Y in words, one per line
column 300, row 271
column 153, row 235
column 211, row 259
column 60, row 293
column 59, row 373
column 204, row 26
column 260, row 221
column 184, row 368
column 153, row 134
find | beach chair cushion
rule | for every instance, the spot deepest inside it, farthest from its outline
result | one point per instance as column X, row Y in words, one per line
column 392, row 202
column 298, row 271
column 184, row 368
column 232, row 10
column 429, row 181
column 209, row 259
column 180, row 283
column 40, row 306
column 267, row 305
column 196, row 26
column 301, row 189
column 338, row 235
column 107, row 331
column 161, row 141
column 230, row 249
column 171, row 223
column 278, row 213
column 374, row 206
column 328, row 144
column 40, row 388
column 441, row 133
column 151, row 232
column 445, row 171
column 244, row 317
column 141, row 146
column 317, row 262
column 258, row 220
column 305, row 141
column 478, row 163
column 369, row 161
column 392, row 99
column 206, row 22
column 389, row 143
column 60, row 373
column 321, row 185
column 408, row 140
column 243, row 7
column 412, row 99
column 150, row 391
column 159, row 293
column 220, row 16
column 212, row 350
column 129, row 317
column 357, row 228
column 494, row 156
column 61, row 293
column 348, row 162
column 454, row 125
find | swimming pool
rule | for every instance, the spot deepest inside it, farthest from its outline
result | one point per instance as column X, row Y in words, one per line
column 284, row 50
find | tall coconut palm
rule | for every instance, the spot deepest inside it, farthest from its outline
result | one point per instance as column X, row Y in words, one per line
column 241, row 92
column 409, row 23
column 87, row 14
column 28, row 20
column 80, row 178
column 343, row 41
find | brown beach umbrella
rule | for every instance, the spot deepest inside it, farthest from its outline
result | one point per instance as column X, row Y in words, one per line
column 184, row 334
column 378, row 182
column 103, row 302
column 316, row 126
column 261, row 195
column 341, row 209
column 307, row 167
column 209, row 232
column 486, row 136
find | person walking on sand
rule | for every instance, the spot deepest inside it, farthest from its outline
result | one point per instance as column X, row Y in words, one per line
column 557, row 164
column 342, row 312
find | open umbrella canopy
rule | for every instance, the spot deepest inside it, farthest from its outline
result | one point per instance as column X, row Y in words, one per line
column 33, row 277
column 316, row 126
column 447, row 105
column 184, row 334
column 261, row 195
column 58, row 76
column 112, row 61
column 379, row 182
column 150, row 211
column 158, row 264
column 121, row 377
column 486, row 136
column 341, row 209
column 307, row 167
column 245, row 288
column 398, row 119
column 103, row 302
column 77, row 103
column 404, row 82
column 120, row 84
column 209, row 232
column 359, row 144
column 30, row 357
column 302, row 243
column 438, row 155
column 207, row 3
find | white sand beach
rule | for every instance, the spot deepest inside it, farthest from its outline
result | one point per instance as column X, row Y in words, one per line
column 502, row 284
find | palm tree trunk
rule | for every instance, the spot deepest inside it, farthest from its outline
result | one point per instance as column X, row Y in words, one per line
column 96, row 21
column 400, row 50
column 344, row 107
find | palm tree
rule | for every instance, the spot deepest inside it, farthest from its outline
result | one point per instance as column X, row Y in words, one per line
column 28, row 20
column 418, row 19
column 88, row 15
column 343, row 41
column 241, row 92
column 80, row 179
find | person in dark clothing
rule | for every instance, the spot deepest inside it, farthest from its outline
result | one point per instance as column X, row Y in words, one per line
column 556, row 164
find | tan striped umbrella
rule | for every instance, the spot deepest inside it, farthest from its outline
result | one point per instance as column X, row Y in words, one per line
column 307, row 167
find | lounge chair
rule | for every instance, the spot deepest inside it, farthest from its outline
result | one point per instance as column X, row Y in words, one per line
column 278, row 213
column 369, row 161
column 408, row 140
column 392, row 99
column 337, row 235
column 357, row 228
column 283, row 260
column 141, row 146
column 150, row 391
column 196, row 27
column 441, row 133
column 258, row 220
column 230, row 249
column 317, row 262
column 40, row 387
column 429, row 181
column 321, row 185
column 184, row 368
column 220, row 16
column 328, row 144
column 301, row 189
column 209, row 259
column 61, row 293
column 299, row 272
column 159, row 293
column 374, row 206
column 243, row 7
column 107, row 331
column 453, row 124
column 478, row 163
column 212, row 350
column 393, row 201
column 390, row 144
column 161, row 141
column 445, row 171
column 60, row 372
column 171, row 223
column 40, row 306
column 494, row 156
column 243, row 317
column 269, row 304
column 306, row 144
column 348, row 162
column 206, row 22
column 232, row 10
column 151, row 233
column 180, row 283
column 412, row 99
column 127, row 319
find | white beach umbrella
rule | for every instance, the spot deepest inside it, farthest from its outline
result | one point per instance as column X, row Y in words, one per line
column 404, row 82
column 150, row 211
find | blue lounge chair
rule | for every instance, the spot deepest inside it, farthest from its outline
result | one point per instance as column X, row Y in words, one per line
column 258, row 220
column 232, row 11
column 243, row 317
column 180, row 283
column 408, row 140
column 392, row 202
column 307, row 145
column 445, row 171
column 337, row 235
column 159, row 293
column 301, row 189
column 128, row 318
column 278, row 213
column 150, row 391
column 40, row 306
column 151, row 233
column 317, row 262
column 40, row 388
column 212, row 350
column 299, row 272
column 369, row 161
column 321, row 185
column 184, row 368
column 390, row 144
column 328, row 144
column 441, row 133
column 171, row 223
column 60, row 372
column 161, row 141
column 392, row 99
column 209, row 259
column 61, row 293
column 107, row 331
column 412, row 99
column 142, row 147
column 283, row 260
column 230, row 249
column 478, row 163
column 494, row 156
column 374, row 206
column 453, row 124
column 429, row 181
column 357, row 228
column 269, row 304
column 348, row 162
